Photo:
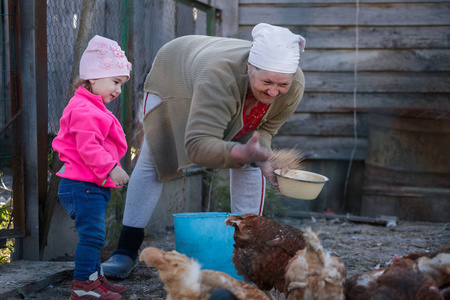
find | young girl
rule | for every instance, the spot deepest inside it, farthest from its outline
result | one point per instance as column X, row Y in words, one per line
column 91, row 143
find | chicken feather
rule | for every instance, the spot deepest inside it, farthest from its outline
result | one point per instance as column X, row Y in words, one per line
column 184, row 280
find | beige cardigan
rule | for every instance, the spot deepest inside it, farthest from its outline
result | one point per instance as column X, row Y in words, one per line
column 202, row 82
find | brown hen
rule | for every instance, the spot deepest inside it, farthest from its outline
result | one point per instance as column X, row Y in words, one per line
column 437, row 265
column 263, row 248
column 184, row 280
column 403, row 280
column 314, row 274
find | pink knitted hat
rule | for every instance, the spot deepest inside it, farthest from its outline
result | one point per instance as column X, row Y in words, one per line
column 103, row 58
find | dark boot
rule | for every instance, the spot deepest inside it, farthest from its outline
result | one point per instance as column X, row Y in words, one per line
column 123, row 260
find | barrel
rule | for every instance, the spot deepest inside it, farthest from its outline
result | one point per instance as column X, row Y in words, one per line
column 407, row 169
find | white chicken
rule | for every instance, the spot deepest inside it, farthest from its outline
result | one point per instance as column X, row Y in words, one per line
column 184, row 280
column 314, row 274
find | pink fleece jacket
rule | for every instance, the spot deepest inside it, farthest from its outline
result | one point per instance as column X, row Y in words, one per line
column 90, row 140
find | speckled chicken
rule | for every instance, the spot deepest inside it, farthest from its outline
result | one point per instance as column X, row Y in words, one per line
column 315, row 274
column 403, row 280
column 437, row 265
column 184, row 280
column 263, row 248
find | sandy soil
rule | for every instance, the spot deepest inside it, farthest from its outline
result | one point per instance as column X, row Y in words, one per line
column 361, row 246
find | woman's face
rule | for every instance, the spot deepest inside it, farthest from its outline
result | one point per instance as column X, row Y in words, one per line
column 267, row 86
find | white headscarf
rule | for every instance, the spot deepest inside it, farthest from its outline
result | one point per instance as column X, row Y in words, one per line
column 275, row 48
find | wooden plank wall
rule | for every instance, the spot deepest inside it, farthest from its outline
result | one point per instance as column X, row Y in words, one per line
column 370, row 55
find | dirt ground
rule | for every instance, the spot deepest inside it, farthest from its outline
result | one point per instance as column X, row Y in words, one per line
column 362, row 247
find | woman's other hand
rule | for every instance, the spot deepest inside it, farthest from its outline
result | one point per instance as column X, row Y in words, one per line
column 267, row 170
column 250, row 152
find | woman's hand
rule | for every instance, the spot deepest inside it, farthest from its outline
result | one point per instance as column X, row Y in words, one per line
column 119, row 176
column 267, row 170
column 250, row 152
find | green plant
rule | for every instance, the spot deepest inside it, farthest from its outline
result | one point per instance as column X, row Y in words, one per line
column 114, row 215
column 6, row 246
column 218, row 191
column 273, row 206
column 219, row 195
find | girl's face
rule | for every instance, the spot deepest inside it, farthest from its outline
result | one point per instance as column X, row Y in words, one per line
column 108, row 88
column 267, row 86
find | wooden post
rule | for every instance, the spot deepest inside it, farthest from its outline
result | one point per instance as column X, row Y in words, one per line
column 17, row 137
column 33, row 57
column 127, row 93
column 84, row 34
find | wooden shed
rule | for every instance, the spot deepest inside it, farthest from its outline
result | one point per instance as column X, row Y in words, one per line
column 365, row 60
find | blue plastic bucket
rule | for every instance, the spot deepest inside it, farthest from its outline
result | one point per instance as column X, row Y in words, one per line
column 205, row 237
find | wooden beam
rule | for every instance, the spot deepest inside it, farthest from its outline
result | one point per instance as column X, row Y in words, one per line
column 381, row 220
column 12, row 233
column 17, row 138
column 84, row 33
column 41, row 112
column 27, row 16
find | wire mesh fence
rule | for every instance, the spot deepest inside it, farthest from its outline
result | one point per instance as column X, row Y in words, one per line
column 140, row 27
column 154, row 23
column 150, row 24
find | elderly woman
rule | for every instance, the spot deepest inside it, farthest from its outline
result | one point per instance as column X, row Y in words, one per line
column 215, row 102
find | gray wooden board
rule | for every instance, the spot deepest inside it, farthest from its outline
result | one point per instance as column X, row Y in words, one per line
column 28, row 277
column 371, row 37
column 414, row 60
column 333, row 102
column 324, row 124
column 378, row 82
column 324, row 147
column 379, row 14
column 284, row 2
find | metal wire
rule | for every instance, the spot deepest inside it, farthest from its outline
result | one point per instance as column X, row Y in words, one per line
column 355, row 92
column 151, row 25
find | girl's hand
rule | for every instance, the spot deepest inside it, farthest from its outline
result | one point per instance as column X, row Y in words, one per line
column 250, row 152
column 119, row 176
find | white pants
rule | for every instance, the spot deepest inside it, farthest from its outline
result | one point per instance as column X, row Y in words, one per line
column 247, row 185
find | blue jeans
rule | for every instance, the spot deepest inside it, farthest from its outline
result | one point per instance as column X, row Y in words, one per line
column 86, row 203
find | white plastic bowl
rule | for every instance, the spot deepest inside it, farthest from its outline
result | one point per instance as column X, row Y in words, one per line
column 300, row 184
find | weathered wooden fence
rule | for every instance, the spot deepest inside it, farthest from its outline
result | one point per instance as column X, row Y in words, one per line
column 361, row 56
